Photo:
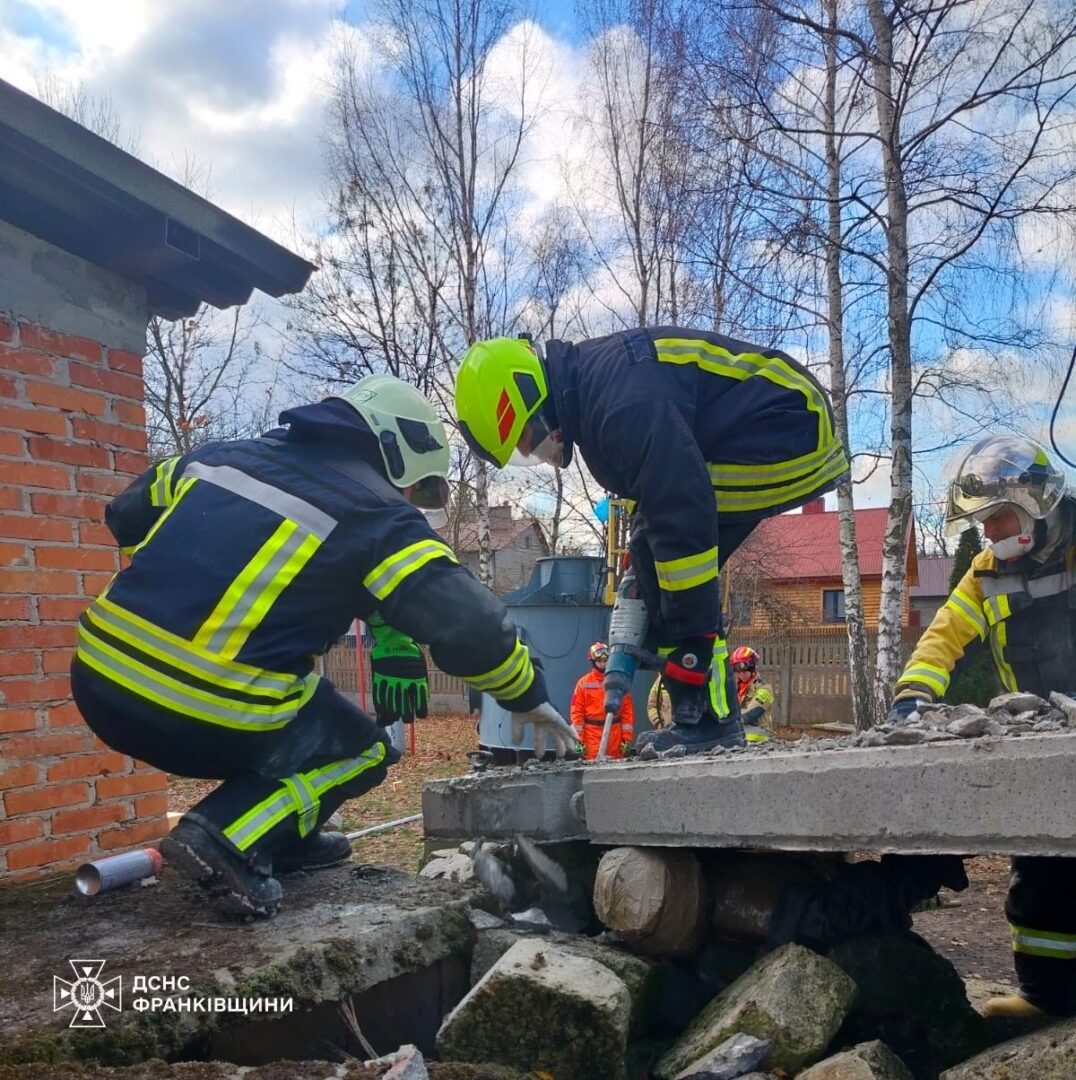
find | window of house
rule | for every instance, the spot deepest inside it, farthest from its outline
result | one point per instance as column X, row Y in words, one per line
column 833, row 605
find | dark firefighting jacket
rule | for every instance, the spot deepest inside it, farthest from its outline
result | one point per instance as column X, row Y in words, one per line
column 250, row 558
column 1024, row 609
column 699, row 430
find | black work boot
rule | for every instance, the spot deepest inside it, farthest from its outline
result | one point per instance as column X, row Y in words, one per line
column 695, row 738
column 238, row 886
column 315, row 852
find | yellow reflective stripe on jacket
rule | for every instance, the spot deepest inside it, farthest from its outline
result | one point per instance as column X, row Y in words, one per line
column 997, row 608
column 968, row 610
column 182, row 489
column 936, row 679
column 149, row 683
column 999, row 640
column 391, row 572
column 727, row 474
column 254, row 590
column 1047, row 943
column 296, row 795
column 687, row 572
column 763, row 695
column 720, row 361
column 741, row 501
column 508, row 679
column 160, row 490
column 183, row 655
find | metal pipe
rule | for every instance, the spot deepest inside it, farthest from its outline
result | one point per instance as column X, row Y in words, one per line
column 384, row 826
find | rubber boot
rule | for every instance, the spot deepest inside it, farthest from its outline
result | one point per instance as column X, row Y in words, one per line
column 707, row 734
column 238, row 886
column 316, row 852
column 1013, row 1005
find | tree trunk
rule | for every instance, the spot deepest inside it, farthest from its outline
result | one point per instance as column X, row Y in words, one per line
column 858, row 661
column 894, row 551
column 481, row 499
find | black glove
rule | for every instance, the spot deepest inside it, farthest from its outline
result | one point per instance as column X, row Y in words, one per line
column 753, row 715
column 902, row 708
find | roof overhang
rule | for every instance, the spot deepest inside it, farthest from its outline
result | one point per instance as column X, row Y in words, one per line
column 79, row 192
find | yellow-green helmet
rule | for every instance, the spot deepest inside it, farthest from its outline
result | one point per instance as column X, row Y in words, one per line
column 410, row 436
column 500, row 388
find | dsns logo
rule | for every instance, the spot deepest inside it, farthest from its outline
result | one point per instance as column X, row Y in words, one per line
column 87, row 994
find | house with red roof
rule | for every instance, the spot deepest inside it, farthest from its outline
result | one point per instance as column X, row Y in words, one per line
column 516, row 544
column 787, row 575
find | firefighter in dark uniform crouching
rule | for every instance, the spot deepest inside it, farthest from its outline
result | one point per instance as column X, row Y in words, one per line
column 247, row 560
column 706, row 434
column 1019, row 596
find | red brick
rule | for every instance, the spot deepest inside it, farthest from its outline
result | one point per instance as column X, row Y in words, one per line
column 62, row 610
column 12, row 445
column 32, row 747
column 28, row 582
column 48, row 852
column 31, row 474
column 95, row 584
column 56, row 661
column 133, row 464
column 66, row 558
column 111, row 382
column 17, row 663
column 91, row 457
column 18, row 776
column 90, row 817
column 29, row 691
column 12, row 832
column 135, row 784
column 128, row 412
column 14, row 555
column 17, row 720
column 88, row 765
column 65, row 398
column 151, row 804
column 35, row 528
column 8, row 388
column 109, row 483
column 90, row 532
column 28, row 363
column 7, row 331
column 37, row 637
column 65, row 715
column 14, row 607
column 76, row 506
column 98, row 431
column 45, row 798
column 129, row 835
column 119, row 360
column 48, row 423
column 52, row 341
column 12, row 499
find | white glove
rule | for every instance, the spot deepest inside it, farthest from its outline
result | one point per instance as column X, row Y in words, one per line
column 547, row 722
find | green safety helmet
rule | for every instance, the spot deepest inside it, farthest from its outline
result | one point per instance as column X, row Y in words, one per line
column 500, row 388
column 1003, row 470
column 410, row 436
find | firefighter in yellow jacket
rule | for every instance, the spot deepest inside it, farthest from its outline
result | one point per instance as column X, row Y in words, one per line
column 1015, row 597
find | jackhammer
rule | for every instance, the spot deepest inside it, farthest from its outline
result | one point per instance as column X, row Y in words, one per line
column 628, row 627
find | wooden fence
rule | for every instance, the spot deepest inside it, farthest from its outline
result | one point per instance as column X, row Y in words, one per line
column 808, row 672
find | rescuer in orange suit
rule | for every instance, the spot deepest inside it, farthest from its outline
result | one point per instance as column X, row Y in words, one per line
column 588, row 710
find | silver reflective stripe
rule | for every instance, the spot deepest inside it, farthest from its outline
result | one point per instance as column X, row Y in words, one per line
column 280, row 502
column 1037, row 588
column 188, row 658
column 1056, row 945
column 252, row 593
column 274, row 809
column 346, row 770
column 306, row 802
column 776, row 475
column 973, row 614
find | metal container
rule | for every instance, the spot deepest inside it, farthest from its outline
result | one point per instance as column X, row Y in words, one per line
column 559, row 614
column 117, row 871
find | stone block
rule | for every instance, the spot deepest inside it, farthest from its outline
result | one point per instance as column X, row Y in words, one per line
column 867, row 1061
column 734, row 1058
column 1046, row 1054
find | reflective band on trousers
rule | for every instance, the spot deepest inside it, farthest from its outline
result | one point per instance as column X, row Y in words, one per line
column 719, row 700
column 1048, row 943
column 688, row 572
column 390, row 572
column 300, row 794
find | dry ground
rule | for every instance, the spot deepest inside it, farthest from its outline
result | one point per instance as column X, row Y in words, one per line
column 972, row 933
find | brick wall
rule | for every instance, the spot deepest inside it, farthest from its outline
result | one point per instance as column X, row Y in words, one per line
column 72, row 434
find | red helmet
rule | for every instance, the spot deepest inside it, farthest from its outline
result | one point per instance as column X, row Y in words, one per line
column 598, row 651
column 744, row 659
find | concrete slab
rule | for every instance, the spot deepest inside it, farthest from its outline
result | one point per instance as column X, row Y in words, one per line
column 1008, row 795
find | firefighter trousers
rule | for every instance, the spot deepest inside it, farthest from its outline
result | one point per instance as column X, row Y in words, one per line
column 279, row 785
column 1041, row 909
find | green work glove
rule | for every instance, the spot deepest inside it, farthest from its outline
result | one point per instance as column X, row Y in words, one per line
column 401, row 682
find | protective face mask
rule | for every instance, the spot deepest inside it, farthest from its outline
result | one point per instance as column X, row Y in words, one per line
column 1013, row 547
column 436, row 519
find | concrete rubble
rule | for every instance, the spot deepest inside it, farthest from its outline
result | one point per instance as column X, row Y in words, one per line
column 735, row 1057
column 792, row 997
column 867, row 1061
column 1046, row 1054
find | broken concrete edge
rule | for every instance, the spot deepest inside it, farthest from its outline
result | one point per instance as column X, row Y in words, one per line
column 309, row 975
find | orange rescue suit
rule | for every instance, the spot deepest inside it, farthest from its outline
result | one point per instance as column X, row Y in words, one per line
column 588, row 717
